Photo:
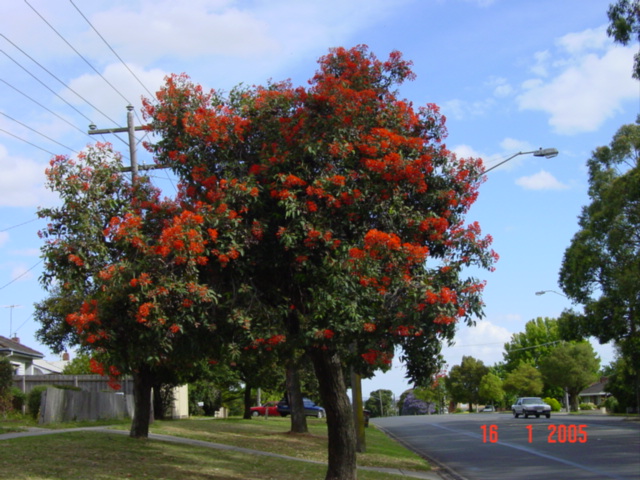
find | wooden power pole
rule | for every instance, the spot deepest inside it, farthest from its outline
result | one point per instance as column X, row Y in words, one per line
column 131, row 130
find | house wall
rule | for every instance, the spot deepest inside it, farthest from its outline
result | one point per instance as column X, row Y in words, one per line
column 22, row 367
column 180, row 407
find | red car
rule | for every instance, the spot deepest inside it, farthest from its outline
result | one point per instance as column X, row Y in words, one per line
column 269, row 407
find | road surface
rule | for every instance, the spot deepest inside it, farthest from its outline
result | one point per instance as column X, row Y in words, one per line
column 494, row 446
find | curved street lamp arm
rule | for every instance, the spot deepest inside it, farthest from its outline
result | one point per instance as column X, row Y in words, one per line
column 541, row 152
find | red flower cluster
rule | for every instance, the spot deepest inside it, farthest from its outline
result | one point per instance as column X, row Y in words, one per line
column 376, row 357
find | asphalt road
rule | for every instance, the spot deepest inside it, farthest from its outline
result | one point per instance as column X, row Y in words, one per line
column 506, row 448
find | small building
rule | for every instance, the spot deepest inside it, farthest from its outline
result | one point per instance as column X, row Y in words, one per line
column 594, row 393
column 24, row 359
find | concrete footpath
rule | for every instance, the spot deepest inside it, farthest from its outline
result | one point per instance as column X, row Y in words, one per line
column 33, row 432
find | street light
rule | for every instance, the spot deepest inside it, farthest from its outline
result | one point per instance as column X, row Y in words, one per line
column 566, row 393
column 541, row 152
column 542, row 292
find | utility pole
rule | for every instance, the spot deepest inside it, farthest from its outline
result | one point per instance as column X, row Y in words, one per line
column 131, row 130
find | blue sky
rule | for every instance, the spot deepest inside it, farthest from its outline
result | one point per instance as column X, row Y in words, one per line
column 510, row 75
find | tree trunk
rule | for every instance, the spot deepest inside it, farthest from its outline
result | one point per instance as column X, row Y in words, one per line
column 158, row 402
column 294, row 398
column 247, row 402
column 333, row 391
column 142, row 386
column 358, row 412
column 575, row 400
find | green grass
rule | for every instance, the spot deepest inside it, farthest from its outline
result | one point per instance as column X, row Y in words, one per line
column 272, row 435
column 110, row 456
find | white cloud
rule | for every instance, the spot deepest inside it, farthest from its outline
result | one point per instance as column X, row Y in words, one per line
column 589, row 39
column 21, row 182
column 542, row 180
column 465, row 151
column 485, row 341
column 588, row 81
column 514, row 145
column 501, row 87
column 170, row 29
column 21, row 273
column 510, row 148
column 106, row 99
column 461, row 109
column 225, row 28
column 541, row 66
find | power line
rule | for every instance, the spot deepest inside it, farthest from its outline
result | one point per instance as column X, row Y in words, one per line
column 23, row 323
column 20, row 276
column 39, row 133
column 111, row 48
column 19, row 225
column 78, row 53
column 56, row 77
column 28, row 142
column 44, row 84
column 40, row 105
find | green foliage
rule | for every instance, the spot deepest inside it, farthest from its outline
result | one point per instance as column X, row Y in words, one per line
column 80, row 365
column 18, row 399
column 612, row 405
column 600, row 267
column 537, row 340
column 463, row 382
column 524, row 380
column 6, row 384
column 555, row 405
column 620, row 383
column 380, row 403
column 587, row 406
column 624, row 25
column 33, row 400
column 204, row 398
column 491, row 390
column 573, row 366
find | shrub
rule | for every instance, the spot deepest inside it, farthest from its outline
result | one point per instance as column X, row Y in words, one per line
column 33, row 399
column 6, row 382
column 587, row 406
column 18, row 399
column 612, row 405
column 553, row 403
column 414, row 406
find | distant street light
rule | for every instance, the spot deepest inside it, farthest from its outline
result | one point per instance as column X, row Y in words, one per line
column 541, row 152
column 566, row 393
column 542, row 292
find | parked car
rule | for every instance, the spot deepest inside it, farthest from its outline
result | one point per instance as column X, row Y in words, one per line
column 310, row 408
column 488, row 408
column 268, row 407
column 531, row 406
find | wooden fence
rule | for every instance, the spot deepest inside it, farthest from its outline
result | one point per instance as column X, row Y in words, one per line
column 97, row 385
column 87, row 383
column 58, row 405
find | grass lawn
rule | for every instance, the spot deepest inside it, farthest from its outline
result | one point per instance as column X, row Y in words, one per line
column 98, row 455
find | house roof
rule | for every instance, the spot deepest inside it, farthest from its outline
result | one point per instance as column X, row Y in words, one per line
column 9, row 347
column 595, row 388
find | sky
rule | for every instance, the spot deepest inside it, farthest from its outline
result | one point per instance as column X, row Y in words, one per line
column 510, row 76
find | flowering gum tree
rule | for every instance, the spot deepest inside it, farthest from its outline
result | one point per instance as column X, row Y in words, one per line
column 357, row 217
column 140, row 265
